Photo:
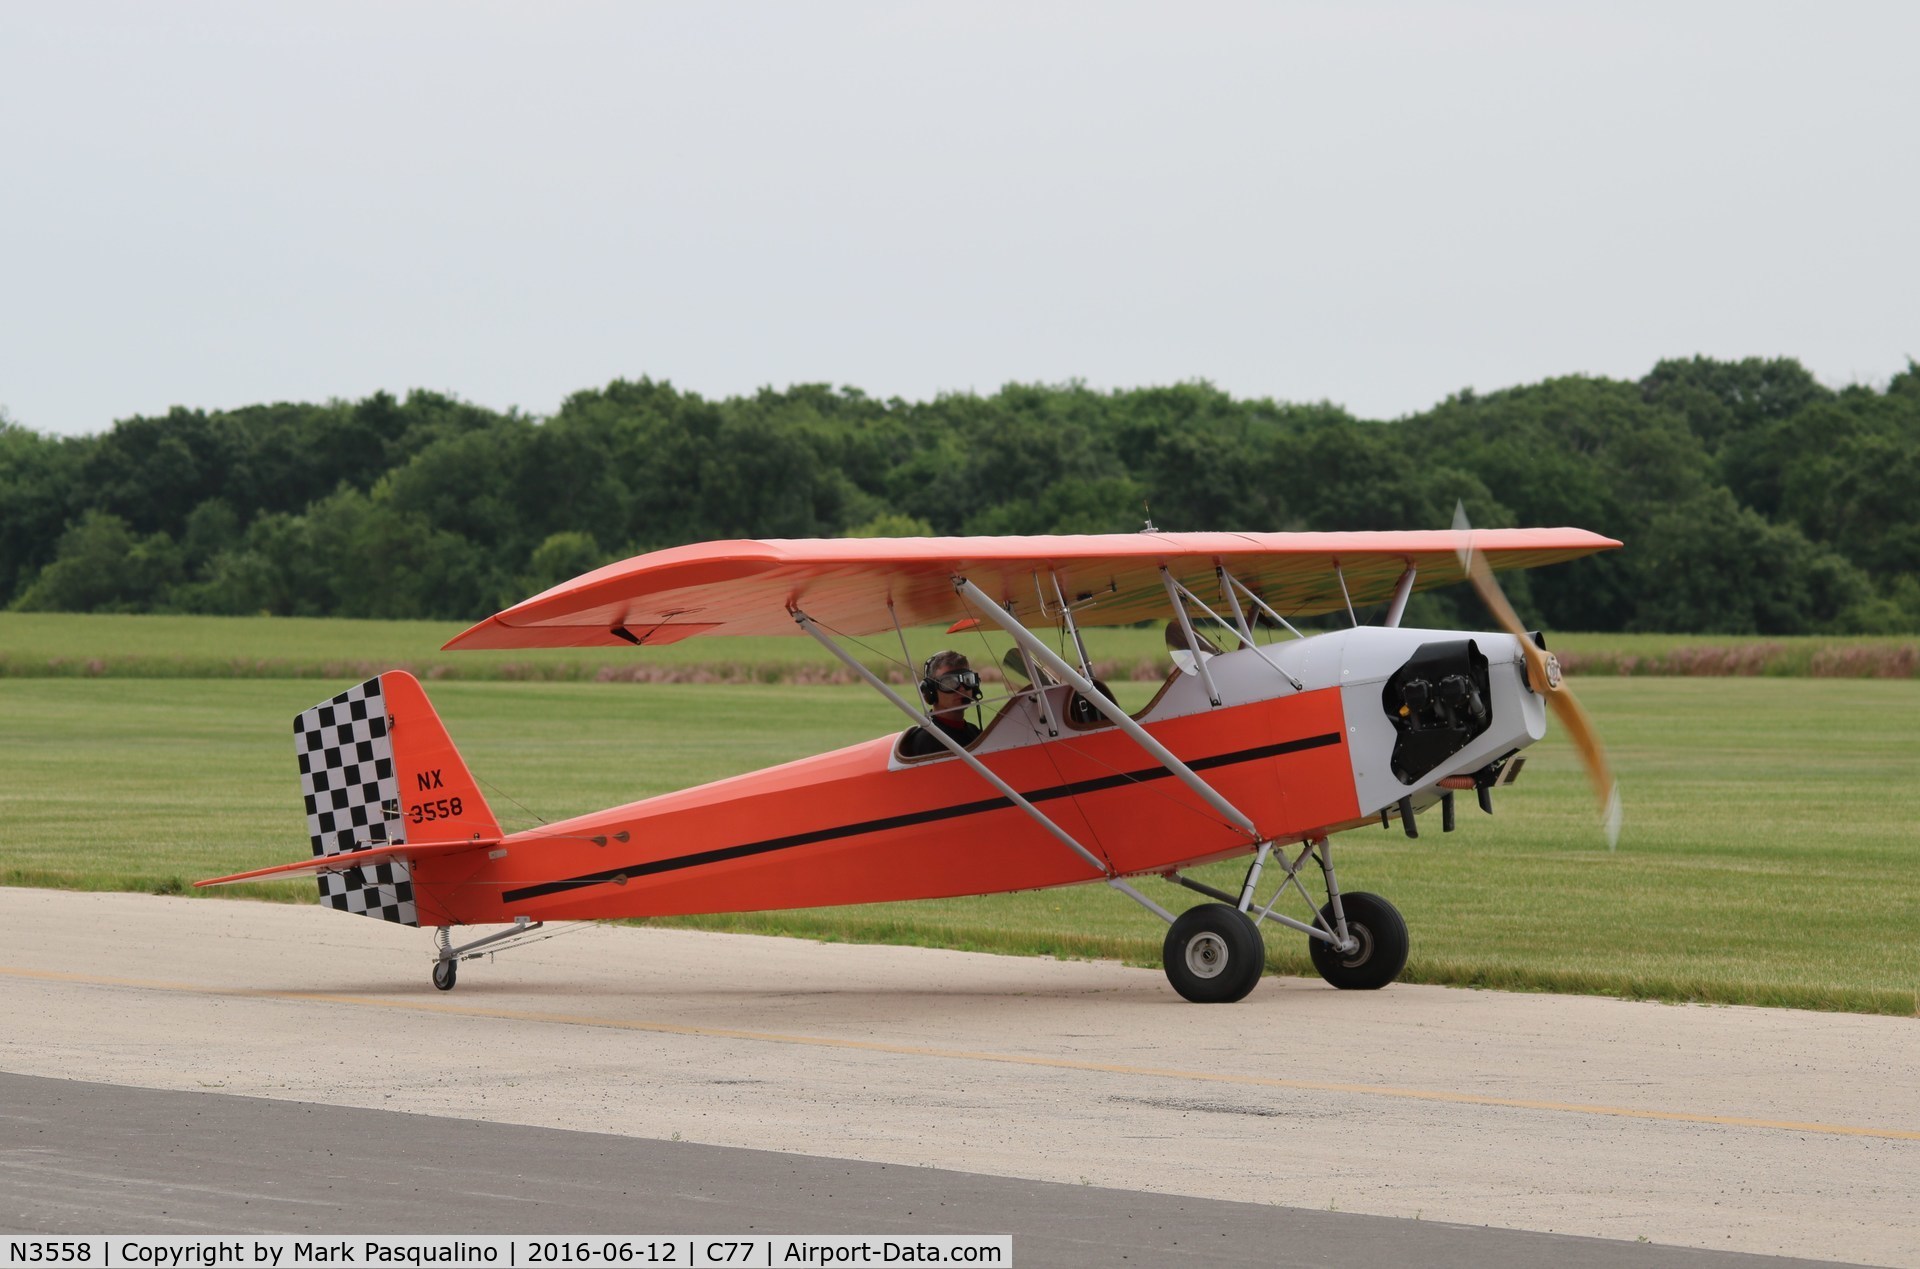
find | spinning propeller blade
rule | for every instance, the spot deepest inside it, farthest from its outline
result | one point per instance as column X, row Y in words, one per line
column 1543, row 673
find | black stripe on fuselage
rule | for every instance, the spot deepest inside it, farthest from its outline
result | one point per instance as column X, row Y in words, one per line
column 695, row 860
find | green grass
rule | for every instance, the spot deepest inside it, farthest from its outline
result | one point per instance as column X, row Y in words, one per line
column 85, row 645
column 90, row 645
column 1767, row 857
column 1711, row 656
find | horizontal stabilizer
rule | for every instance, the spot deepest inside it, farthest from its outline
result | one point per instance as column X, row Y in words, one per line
column 404, row 852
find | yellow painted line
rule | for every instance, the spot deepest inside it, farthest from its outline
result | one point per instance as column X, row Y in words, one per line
column 966, row 1055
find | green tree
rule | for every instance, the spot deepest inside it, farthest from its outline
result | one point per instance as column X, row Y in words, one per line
column 431, row 506
column 1109, row 504
column 1573, row 451
column 38, row 479
column 213, row 527
column 1714, row 566
column 561, row 557
column 152, row 472
column 103, row 566
column 892, row 525
column 1722, row 399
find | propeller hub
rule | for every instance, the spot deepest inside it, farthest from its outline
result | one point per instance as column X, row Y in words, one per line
column 1553, row 672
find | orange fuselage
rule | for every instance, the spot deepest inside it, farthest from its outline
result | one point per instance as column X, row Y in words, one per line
column 859, row 826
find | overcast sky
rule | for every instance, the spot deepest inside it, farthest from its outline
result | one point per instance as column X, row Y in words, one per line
column 217, row 205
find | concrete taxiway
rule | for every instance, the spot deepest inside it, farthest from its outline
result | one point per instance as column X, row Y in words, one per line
column 1734, row 1130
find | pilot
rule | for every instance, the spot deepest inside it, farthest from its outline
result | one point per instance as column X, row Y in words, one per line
column 948, row 685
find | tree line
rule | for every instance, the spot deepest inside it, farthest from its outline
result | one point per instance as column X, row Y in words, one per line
column 1751, row 498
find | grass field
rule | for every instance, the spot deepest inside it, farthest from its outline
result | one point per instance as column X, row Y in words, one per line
column 38, row 645
column 1767, row 857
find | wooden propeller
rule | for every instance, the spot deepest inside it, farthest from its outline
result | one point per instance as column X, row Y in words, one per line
column 1544, row 676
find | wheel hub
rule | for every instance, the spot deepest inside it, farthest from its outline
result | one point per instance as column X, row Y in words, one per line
column 1207, row 955
column 1356, row 955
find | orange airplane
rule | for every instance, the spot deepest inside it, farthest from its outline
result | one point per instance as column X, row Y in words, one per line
column 1265, row 750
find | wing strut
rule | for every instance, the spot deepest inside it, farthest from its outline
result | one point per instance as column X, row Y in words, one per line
column 1177, row 596
column 1066, row 615
column 808, row 624
column 1401, row 591
column 1098, row 699
column 1259, row 603
column 1228, row 585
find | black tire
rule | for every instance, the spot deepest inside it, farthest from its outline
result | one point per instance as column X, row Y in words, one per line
column 1213, row 954
column 445, row 973
column 1382, row 953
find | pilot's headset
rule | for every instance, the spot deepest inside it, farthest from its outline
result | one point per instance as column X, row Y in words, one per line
column 966, row 682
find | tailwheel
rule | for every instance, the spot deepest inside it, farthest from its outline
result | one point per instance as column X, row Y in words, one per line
column 1380, row 935
column 445, row 973
column 1213, row 954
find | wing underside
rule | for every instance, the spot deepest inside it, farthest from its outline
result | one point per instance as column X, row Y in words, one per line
column 862, row 585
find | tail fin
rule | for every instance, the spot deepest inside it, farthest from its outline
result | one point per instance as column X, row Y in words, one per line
column 378, row 769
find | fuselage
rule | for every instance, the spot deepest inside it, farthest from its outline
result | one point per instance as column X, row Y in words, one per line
column 862, row 825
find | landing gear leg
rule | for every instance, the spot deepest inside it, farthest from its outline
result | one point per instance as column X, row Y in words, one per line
column 1376, row 949
column 446, row 969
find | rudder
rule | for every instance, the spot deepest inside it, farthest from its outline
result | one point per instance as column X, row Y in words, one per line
column 377, row 768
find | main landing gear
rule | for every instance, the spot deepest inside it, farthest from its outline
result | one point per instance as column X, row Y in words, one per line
column 1380, row 944
column 1214, row 953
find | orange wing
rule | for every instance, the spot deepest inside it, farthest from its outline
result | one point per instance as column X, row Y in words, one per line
column 848, row 584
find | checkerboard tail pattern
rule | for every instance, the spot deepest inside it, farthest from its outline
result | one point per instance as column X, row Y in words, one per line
column 353, row 800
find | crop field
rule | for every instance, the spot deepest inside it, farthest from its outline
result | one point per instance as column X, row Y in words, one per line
column 1767, row 855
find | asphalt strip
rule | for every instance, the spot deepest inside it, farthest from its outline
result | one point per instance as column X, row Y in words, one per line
column 215, row 1164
